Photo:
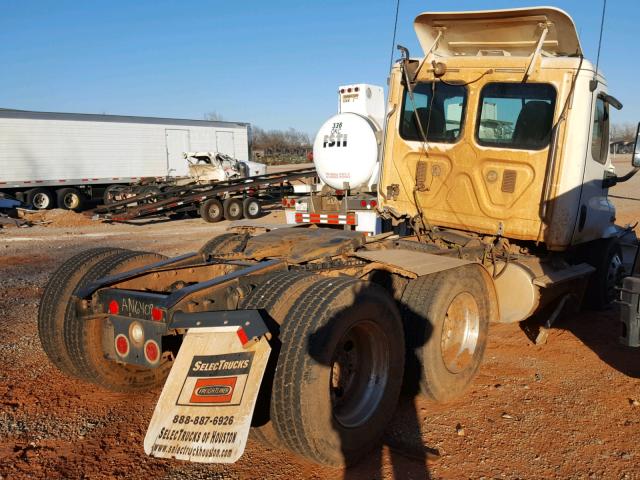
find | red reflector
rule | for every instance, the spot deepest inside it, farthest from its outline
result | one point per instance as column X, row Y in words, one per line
column 339, row 192
column 151, row 351
column 122, row 345
column 373, row 203
column 285, row 202
column 363, row 203
column 113, row 307
column 242, row 335
column 156, row 314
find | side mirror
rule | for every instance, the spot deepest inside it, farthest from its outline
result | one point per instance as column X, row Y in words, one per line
column 635, row 159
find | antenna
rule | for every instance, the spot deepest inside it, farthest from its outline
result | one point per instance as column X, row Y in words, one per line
column 395, row 28
column 594, row 83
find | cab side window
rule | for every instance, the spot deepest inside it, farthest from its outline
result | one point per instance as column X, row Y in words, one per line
column 600, row 132
column 516, row 115
column 437, row 108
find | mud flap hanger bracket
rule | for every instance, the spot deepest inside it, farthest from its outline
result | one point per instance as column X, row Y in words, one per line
column 249, row 323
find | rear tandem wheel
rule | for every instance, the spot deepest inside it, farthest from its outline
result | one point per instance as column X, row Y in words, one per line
column 339, row 366
column 85, row 338
column 446, row 318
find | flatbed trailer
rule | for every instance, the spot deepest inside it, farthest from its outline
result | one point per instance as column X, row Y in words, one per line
column 232, row 198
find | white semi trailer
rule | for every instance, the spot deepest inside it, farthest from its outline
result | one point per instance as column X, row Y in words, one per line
column 63, row 159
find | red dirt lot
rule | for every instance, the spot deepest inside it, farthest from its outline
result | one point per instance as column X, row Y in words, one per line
column 567, row 409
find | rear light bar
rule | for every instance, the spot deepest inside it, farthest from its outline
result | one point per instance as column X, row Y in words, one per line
column 328, row 218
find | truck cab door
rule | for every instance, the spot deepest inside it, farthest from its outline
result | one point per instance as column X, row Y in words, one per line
column 596, row 213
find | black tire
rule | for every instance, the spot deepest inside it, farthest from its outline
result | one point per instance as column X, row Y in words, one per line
column 152, row 193
column 233, row 209
column 606, row 257
column 70, row 199
column 275, row 295
column 84, row 338
column 431, row 307
column 56, row 305
column 313, row 412
column 212, row 211
column 110, row 193
column 225, row 244
column 40, row 198
column 251, row 208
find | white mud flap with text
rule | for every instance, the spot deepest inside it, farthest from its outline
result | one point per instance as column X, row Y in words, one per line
column 205, row 408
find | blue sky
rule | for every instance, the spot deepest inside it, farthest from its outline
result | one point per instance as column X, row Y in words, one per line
column 275, row 64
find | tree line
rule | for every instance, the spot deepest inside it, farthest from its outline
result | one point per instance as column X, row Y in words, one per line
column 623, row 132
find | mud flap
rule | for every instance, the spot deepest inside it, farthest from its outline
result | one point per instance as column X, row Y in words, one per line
column 205, row 408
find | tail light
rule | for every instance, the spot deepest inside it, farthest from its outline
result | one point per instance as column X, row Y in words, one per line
column 157, row 314
column 122, row 345
column 114, row 308
column 151, row 351
column 242, row 336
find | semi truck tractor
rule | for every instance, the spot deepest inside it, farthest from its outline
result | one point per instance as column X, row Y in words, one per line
column 494, row 179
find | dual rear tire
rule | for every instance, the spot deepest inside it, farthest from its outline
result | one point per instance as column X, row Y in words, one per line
column 446, row 320
column 65, row 198
column 336, row 362
column 76, row 345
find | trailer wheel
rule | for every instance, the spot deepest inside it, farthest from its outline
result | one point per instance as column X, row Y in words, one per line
column 84, row 338
column 251, row 207
column 111, row 194
column 211, row 211
column 339, row 371
column 56, row 304
column 446, row 319
column 70, row 199
column 224, row 244
column 233, row 209
column 40, row 198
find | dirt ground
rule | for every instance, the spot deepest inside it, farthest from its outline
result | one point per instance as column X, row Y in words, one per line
column 568, row 409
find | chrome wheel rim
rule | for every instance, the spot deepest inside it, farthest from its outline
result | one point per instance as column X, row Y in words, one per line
column 71, row 201
column 214, row 211
column 234, row 209
column 359, row 373
column 460, row 332
column 41, row 201
column 253, row 208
